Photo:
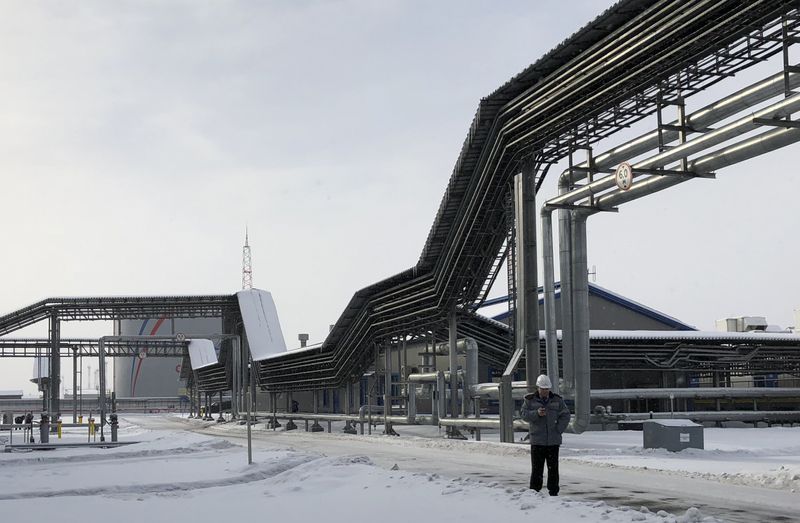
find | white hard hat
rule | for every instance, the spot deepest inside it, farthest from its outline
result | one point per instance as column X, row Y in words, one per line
column 543, row 382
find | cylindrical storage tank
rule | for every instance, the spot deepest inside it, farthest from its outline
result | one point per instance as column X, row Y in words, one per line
column 143, row 377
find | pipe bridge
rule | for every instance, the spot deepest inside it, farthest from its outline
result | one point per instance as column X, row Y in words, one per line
column 627, row 64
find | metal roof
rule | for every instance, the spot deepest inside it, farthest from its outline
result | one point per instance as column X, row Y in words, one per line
column 611, row 296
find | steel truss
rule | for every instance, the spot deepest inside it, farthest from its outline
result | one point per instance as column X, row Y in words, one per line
column 120, row 308
column 68, row 347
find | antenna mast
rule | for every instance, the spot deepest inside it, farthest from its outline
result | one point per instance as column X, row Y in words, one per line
column 247, row 268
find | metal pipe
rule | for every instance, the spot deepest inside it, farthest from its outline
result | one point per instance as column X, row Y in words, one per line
column 580, row 324
column 491, row 391
column 697, row 393
column 444, row 348
column 741, row 126
column 484, row 423
column 734, row 103
column 564, row 256
column 551, row 340
column 429, row 377
column 765, row 416
column 738, row 152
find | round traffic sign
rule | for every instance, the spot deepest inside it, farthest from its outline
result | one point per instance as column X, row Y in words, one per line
column 624, row 176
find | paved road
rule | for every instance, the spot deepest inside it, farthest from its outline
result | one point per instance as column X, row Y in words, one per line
column 581, row 481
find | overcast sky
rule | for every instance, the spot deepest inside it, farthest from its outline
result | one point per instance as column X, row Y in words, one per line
column 138, row 139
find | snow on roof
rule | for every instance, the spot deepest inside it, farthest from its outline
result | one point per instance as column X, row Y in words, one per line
column 690, row 335
column 202, row 353
column 673, row 422
column 5, row 393
column 260, row 318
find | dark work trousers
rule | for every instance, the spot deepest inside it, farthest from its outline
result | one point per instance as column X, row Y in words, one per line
column 539, row 455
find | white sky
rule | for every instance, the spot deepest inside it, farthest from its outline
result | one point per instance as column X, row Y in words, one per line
column 139, row 138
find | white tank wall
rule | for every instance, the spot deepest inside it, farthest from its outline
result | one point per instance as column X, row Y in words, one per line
column 149, row 377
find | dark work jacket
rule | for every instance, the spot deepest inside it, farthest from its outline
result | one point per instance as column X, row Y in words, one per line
column 547, row 429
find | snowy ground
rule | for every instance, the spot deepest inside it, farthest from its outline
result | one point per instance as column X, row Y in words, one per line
column 763, row 457
column 335, row 477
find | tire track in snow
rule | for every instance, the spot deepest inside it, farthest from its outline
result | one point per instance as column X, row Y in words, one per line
column 265, row 471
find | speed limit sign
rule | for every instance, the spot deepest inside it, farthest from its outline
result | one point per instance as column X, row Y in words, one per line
column 624, row 176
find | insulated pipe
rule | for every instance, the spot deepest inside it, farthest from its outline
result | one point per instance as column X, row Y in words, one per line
column 365, row 410
column 741, row 126
column 580, row 323
column 491, row 391
column 471, row 364
column 485, row 423
column 697, row 393
column 429, row 377
column 734, row 103
column 551, row 340
column 565, row 255
column 461, row 346
column 738, row 152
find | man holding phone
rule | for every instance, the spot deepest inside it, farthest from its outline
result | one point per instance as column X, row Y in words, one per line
column 548, row 417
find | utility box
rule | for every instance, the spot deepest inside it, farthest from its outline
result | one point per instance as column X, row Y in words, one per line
column 672, row 434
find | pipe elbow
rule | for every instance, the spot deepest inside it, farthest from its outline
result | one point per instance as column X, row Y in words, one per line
column 578, row 424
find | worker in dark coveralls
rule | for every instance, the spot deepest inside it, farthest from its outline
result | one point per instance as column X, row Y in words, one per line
column 548, row 417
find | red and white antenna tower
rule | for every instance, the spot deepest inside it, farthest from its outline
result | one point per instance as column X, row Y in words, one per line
column 247, row 268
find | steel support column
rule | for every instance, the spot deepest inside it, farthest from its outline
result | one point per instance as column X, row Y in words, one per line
column 55, row 368
column 580, row 322
column 564, row 257
column 453, row 355
column 551, row 338
column 74, row 385
column 526, row 326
